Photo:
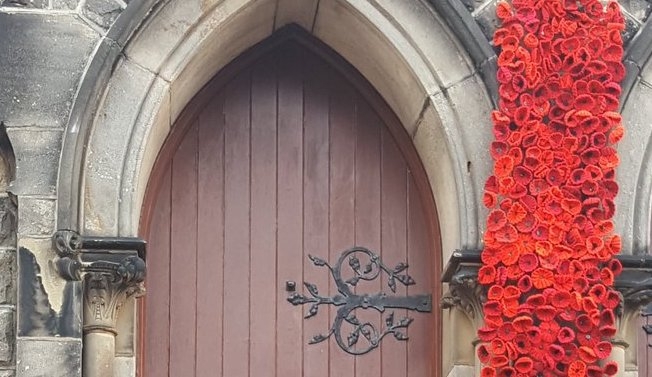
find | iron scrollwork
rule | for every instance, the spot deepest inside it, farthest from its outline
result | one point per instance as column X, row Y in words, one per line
column 348, row 301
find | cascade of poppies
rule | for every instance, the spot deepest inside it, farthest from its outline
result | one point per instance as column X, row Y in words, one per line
column 548, row 262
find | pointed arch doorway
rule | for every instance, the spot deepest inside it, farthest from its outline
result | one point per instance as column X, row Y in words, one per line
column 287, row 152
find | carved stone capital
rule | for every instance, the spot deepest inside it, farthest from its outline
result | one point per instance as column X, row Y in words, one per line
column 112, row 270
column 464, row 291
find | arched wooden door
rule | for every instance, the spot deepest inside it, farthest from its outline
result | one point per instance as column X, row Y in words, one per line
column 283, row 159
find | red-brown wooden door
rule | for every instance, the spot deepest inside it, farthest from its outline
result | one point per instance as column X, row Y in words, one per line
column 285, row 159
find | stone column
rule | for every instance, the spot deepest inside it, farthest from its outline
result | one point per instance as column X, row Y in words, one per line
column 112, row 270
column 466, row 295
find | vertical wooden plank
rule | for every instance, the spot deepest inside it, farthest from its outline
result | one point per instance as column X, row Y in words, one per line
column 342, row 194
column 420, row 347
column 394, row 241
column 183, row 259
column 367, row 221
column 263, row 220
column 210, row 238
column 316, row 209
column 235, row 346
column 158, row 284
column 289, row 359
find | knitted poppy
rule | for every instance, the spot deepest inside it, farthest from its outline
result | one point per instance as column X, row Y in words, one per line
column 583, row 323
column 607, row 331
column 486, row 334
column 611, row 300
column 615, row 266
column 507, row 372
column 496, row 220
column 487, row 274
column 522, row 323
column 498, row 347
column 506, row 331
column 524, row 283
column 567, row 314
column 611, row 368
column 507, row 234
column 607, row 317
column 492, row 307
column 560, row 299
column 487, row 371
column 602, row 350
column 594, row 371
column 495, row 292
column 498, row 361
column 577, row 369
column 545, row 312
column 484, row 355
column 534, row 334
column 566, row 335
column 607, row 276
column 528, row 262
column 587, row 354
column 523, row 365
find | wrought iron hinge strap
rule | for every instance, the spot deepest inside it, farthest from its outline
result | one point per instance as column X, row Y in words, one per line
column 348, row 301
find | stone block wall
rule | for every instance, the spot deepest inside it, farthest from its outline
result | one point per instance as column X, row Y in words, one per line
column 45, row 49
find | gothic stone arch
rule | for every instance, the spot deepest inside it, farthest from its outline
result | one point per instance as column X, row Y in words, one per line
column 139, row 81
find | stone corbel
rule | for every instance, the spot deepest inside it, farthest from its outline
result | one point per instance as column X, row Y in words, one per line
column 464, row 291
column 112, row 270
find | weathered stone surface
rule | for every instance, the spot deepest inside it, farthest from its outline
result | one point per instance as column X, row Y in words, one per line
column 37, row 157
column 102, row 12
column 47, row 305
column 7, row 336
column 65, row 4
column 36, row 216
column 639, row 9
column 43, row 57
column 487, row 20
column 38, row 4
column 162, row 34
column 53, row 357
column 7, row 221
column 7, row 277
column 7, row 373
column 633, row 173
column 109, row 145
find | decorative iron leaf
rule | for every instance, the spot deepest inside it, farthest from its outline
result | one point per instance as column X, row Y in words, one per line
column 313, row 311
column 406, row 279
column 317, row 261
column 354, row 262
column 400, row 336
column 297, row 299
column 400, row 268
column 353, row 281
column 365, row 331
column 392, row 284
column 317, row 339
column 352, row 319
column 352, row 338
column 389, row 320
column 368, row 268
column 405, row 322
column 311, row 288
